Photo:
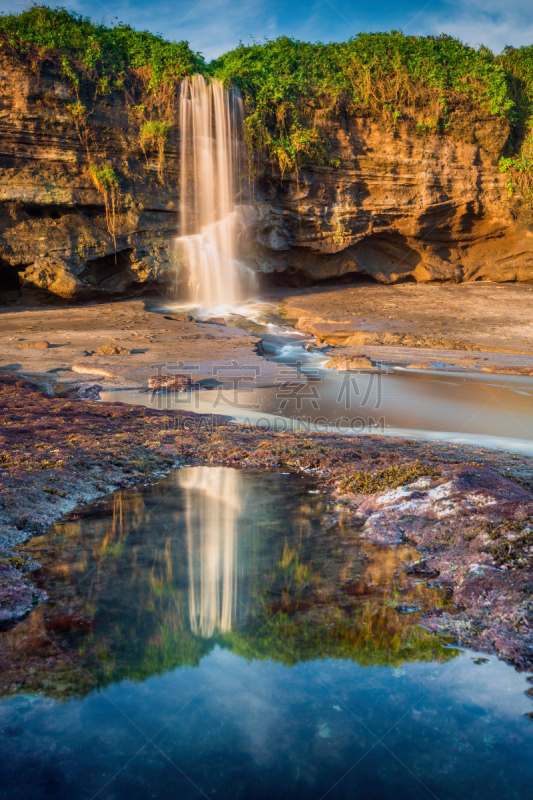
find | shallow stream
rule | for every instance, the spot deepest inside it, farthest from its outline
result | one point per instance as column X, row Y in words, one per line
column 227, row 633
column 480, row 409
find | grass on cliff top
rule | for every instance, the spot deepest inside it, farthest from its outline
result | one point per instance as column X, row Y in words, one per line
column 105, row 56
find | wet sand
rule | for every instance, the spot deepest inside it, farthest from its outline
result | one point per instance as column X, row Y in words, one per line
column 475, row 317
column 156, row 341
column 475, row 327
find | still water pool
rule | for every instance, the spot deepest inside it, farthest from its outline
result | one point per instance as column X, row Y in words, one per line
column 227, row 634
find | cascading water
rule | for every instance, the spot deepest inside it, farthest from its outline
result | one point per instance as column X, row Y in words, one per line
column 210, row 222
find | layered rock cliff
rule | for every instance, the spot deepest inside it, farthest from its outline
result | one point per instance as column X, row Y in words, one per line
column 54, row 234
column 402, row 204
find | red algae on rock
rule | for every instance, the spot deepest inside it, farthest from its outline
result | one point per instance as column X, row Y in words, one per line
column 453, row 519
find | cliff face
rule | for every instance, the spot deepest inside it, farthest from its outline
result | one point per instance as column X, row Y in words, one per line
column 53, row 229
column 401, row 205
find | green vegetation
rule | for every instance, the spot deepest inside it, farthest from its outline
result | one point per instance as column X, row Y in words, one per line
column 106, row 181
column 154, row 134
column 110, row 58
column 77, row 109
column 518, row 163
column 291, row 89
column 390, row 478
column 372, row 640
column 518, row 65
column 94, row 60
column 519, row 169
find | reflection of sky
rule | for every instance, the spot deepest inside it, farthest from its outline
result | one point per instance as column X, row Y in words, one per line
column 249, row 729
column 488, row 686
column 238, row 728
column 215, row 26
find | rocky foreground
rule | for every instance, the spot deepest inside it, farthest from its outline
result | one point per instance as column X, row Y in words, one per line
column 470, row 512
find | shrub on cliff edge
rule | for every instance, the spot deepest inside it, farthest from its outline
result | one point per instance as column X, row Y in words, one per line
column 290, row 86
column 109, row 57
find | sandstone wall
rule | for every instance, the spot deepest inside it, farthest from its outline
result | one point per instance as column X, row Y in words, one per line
column 403, row 205
column 53, row 230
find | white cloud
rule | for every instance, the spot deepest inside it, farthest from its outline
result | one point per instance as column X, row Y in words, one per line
column 487, row 22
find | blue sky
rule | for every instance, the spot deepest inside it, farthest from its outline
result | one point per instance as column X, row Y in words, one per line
column 215, row 26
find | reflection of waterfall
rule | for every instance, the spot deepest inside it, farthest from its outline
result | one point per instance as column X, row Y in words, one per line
column 212, row 497
column 210, row 224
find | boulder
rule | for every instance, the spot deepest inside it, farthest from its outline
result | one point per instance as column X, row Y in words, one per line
column 82, row 391
column 171, row 382
column 346, row 362
column 54, row 275
column 112, row 350
column 41, row 345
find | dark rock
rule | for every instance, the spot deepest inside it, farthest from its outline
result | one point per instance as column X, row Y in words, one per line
column 83, row 391
column 421, row 569
column 174, row 382
column 17, row 595
column 407, row 609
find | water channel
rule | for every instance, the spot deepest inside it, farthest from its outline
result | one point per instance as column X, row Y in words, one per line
column 475, row 408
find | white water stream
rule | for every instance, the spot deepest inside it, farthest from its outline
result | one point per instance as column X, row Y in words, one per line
column 211, row 223
column 470, row 408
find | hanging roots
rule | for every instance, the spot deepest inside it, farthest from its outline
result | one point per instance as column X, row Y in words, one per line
column 106, row 181
column 155, row 134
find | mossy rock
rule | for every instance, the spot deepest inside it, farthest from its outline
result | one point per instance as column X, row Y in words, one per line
column 390, row 478
column 512, row 543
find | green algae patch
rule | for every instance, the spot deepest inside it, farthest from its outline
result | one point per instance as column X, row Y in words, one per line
column 391, row 478
column 17, row 562
column 511, row 543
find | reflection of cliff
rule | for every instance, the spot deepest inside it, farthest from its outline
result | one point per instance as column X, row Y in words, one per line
column 213, row 502
column 340, row 603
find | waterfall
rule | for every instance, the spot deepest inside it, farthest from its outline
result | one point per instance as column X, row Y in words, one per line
column 210, row 222
column 213, row 503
